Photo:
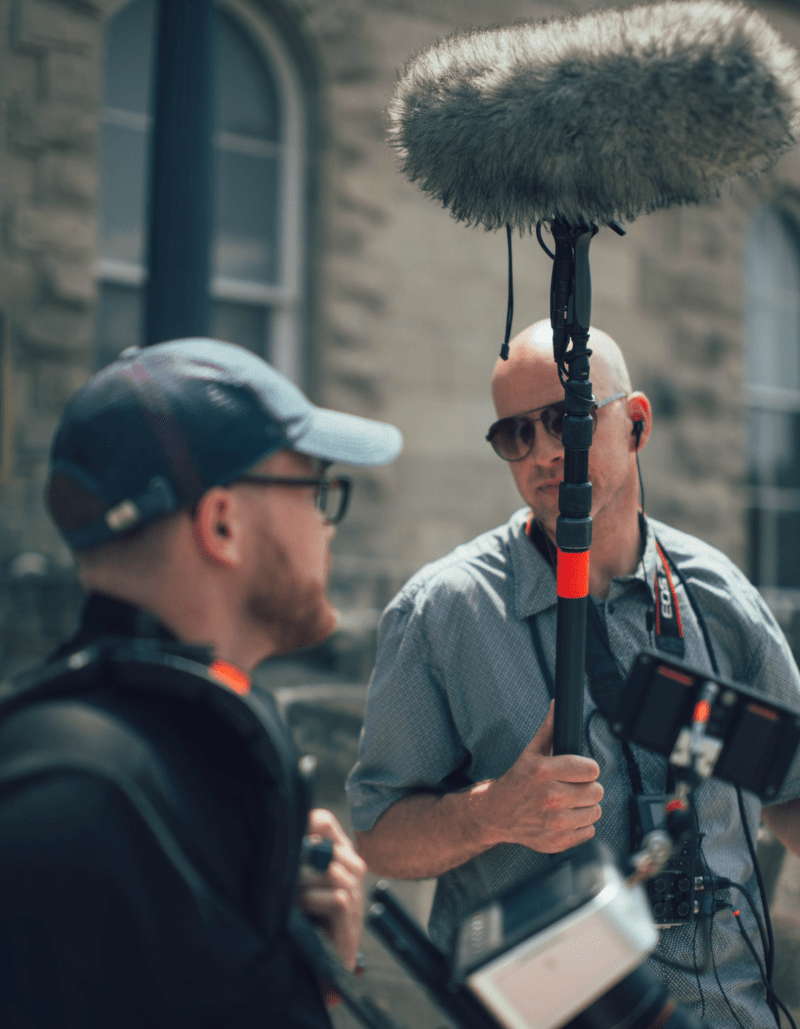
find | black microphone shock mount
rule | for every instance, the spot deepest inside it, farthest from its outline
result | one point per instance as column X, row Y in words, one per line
column 570, row 317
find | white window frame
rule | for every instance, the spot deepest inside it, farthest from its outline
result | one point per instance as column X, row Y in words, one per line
column 285, row 298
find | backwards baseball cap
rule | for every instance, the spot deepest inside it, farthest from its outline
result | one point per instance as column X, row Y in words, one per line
column 161, row 425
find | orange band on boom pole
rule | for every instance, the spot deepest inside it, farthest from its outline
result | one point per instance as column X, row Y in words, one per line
column 572, row 575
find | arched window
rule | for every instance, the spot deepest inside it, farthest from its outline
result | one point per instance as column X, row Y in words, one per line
column 258, row 208
column 772, row 393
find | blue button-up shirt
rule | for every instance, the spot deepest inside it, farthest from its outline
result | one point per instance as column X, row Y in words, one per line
column 457, row 690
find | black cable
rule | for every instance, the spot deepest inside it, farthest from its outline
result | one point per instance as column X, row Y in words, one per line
column 639, row 470
column 742, row 815
column 770, row 954
column 707, row 868
column 753, row 910
column 697, row 970
column 542, row 243
column 750, row 947
column 694, row 969
column 770, row 992
column 772, row 998
column 563, row 369
column 510, row 306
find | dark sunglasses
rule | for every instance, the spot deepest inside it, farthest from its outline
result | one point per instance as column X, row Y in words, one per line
column 512, row 438
column 331, row 496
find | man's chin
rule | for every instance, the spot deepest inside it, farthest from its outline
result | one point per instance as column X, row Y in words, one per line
column 309, row 630
column 546, row 515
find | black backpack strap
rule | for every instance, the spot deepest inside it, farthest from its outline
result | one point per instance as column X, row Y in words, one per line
column 257, row 722
column 146, row 669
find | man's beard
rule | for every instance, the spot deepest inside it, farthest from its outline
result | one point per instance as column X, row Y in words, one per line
column 295, row 615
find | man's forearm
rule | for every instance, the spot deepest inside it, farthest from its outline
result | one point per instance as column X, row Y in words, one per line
column 426, row 834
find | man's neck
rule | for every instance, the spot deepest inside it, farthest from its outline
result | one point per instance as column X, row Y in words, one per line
column 616, row 550
column 198, row 617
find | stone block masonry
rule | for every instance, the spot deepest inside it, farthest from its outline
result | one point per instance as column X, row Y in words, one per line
column 51, row 51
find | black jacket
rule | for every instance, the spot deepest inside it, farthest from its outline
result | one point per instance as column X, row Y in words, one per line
column 134, row 836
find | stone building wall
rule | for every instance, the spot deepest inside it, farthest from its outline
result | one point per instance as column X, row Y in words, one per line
column 48, row 178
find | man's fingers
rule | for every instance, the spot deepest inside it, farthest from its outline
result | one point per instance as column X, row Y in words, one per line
column 337, row 875
column 324, row 902
column 347, row 857
column 340, row 915
column 565, row 767
column 324, row 823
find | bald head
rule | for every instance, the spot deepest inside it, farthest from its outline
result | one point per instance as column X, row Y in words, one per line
column 532, row 351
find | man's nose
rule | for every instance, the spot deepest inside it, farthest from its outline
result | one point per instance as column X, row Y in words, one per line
column 546, row 448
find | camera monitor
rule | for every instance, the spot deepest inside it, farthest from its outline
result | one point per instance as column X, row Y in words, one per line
column 749, row 740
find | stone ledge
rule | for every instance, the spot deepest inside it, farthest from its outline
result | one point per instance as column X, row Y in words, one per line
column 40, row 25
column 36, row 126
column 53, row 228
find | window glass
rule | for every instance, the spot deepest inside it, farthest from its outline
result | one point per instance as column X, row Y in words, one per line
column 774, row 457
column 129, row 54
column 246, row 215
column 123, row 168
column 245, row 324
column 787, row 541
column 245, row 96
column 772, row 319
column 250, row 151
column 119, row 323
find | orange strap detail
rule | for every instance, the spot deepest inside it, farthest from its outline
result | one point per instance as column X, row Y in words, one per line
column 231, row 676
column 572, row 574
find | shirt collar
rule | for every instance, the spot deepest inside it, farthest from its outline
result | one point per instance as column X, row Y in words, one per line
column 105, row 617
column 535, row 577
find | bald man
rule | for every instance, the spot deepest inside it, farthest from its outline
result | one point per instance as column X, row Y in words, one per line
column 455, row 777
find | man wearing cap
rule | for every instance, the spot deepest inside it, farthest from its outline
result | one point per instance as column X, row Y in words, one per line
column 151, row 811
column 455, row 777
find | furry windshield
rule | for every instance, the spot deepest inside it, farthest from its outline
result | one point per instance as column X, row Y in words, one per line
column 604, row 116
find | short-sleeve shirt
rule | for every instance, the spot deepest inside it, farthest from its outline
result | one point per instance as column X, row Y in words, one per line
column 457, row 693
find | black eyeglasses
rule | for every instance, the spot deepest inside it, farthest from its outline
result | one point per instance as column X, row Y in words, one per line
column 512, row 438
column 331, row 496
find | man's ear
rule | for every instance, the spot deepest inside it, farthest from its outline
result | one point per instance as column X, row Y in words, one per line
column 640, row 413
column 218, row 529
